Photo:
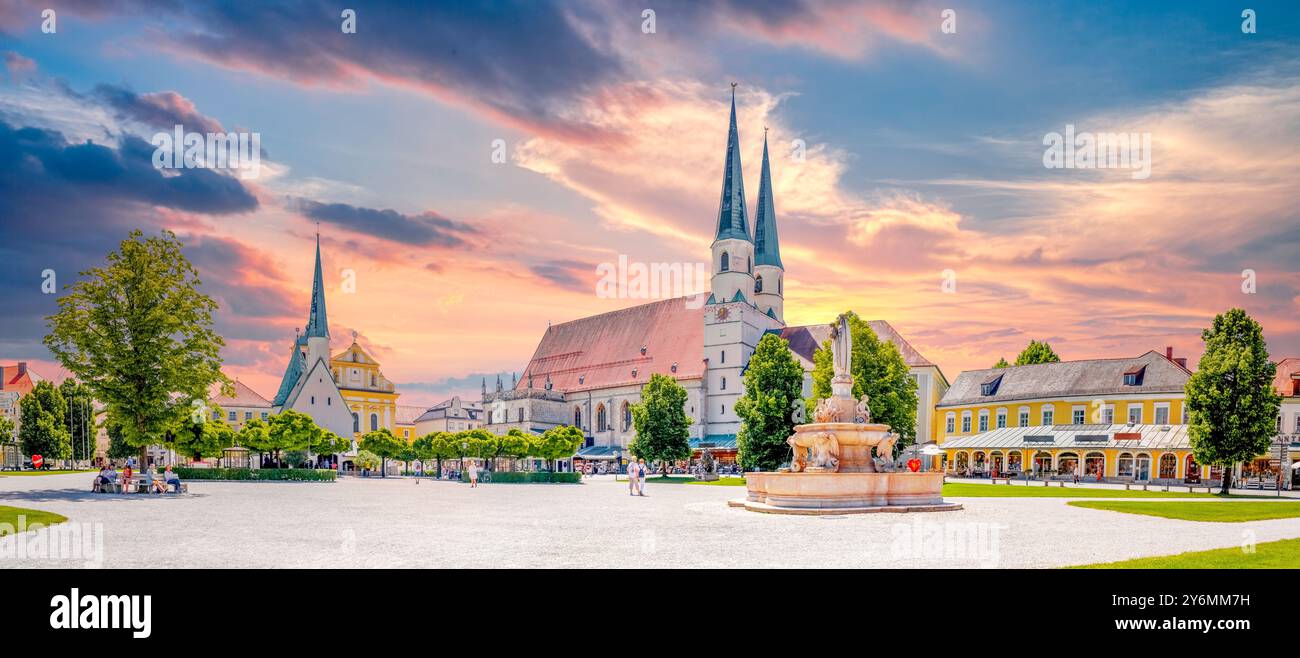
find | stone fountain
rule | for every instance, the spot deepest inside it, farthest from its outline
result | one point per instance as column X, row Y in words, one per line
column 833, row 470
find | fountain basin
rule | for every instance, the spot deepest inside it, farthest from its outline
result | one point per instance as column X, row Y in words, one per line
column 844, row 493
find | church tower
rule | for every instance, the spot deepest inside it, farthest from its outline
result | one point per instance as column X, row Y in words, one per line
column 733, row 249
column 317, row 335
column 769, row 274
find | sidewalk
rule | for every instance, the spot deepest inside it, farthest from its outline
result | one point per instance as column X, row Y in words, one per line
column 1106, row 485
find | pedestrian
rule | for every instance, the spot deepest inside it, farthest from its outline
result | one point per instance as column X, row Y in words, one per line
column 641, row 473
column 632, row 480
column 472, row 469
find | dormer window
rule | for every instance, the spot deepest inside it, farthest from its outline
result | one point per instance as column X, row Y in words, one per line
column 990, row 385
column 643, row 350
column 1133, row 376
column 674, row 366
column 726, row 261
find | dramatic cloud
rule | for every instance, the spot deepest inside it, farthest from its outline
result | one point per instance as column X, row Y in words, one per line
column 428, row 229
column 162, row 110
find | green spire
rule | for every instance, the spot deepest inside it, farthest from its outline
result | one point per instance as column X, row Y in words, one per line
column 732, row 222
column 768, row 250
column 317, row 322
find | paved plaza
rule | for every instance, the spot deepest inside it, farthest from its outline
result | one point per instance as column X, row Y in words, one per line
column 399, row 523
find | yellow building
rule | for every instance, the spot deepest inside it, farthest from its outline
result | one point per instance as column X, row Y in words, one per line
column 1120, row 419
column 366, row 391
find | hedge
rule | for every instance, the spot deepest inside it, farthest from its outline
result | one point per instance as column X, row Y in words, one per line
column 527, row 477
column 263, row 474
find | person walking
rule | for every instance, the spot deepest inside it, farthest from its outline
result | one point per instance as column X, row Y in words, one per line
column 472, row 469
column 632, row 481
column 641, row 473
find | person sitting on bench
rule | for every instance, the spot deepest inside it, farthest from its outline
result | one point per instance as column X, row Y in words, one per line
column 170, row 478
column 104, row 477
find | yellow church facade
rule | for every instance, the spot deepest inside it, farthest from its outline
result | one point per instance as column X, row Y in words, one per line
column 371, row 397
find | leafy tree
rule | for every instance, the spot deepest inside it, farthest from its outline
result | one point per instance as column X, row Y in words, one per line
column 118, row 448
column 516, row 444
column 254, row 435
column 1037, row 352
column 7, row 434
column 295, row 458
column 483, row 445
column 1232, row 405
column 878, row 371
column 366, row 460
column 773, row 385
column 1002, row 363
column 44, row 430
column 557, row 443
column 138, row 332
column 80, row 418
column 385, row 444
column 663, row 429
column 426, row 450
column 291, row 430
column 200, row 437
column 326, row 442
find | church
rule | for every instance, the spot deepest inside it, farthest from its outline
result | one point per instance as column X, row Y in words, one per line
column 589, row 372
column 346, row 393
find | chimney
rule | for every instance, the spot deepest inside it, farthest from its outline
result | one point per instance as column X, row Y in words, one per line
column 1182, row 361
column 1169, row 353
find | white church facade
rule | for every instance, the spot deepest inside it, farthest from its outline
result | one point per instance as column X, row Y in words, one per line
column 589, row 372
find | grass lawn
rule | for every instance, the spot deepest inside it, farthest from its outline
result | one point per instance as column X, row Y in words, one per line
column 1283, row 554
column 966, row 489
column 688, row 479
column 29, row 473
column 9, row 518
column 1220, row 511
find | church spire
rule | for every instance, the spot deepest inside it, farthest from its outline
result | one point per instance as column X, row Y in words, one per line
column 766, row 247
column 732, row 222
column 317, row 322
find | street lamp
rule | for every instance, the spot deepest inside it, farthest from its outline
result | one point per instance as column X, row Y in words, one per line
column 464, row 448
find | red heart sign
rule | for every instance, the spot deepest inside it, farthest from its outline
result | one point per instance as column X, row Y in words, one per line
column 37, row 461
column 913, row 465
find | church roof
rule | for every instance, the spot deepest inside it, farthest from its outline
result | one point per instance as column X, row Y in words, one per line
column 242, row 396
column 805, row 340
column 317, row 321
column 602, row 351
column 767, row 250
column 732, row 221
column 292, row 373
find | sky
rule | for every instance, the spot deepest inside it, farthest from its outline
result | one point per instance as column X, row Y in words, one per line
column 470, row 167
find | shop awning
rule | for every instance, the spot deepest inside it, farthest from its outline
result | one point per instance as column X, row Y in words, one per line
column 714, row 442
column 600, row 452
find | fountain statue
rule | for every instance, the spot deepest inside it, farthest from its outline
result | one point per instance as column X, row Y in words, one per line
column 833, row 469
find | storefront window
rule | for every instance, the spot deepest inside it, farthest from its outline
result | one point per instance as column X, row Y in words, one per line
column 1042, row 462
column 1143, row 467
column 1094, row 464
column 1168, row 466
column 1067, row 463
column 1014, row 462
column 1125, row 465
column 1193, row 471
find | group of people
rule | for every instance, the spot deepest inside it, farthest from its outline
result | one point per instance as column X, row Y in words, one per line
column 108, row 475
column 636, row 474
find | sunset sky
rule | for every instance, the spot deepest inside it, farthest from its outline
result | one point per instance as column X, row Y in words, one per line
column 924, row 153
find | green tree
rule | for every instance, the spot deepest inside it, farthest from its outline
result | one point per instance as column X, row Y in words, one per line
column 1036, row 352
column 878, row 371
column 383, row 443
column 200, row 437
column 138, row 332
column 255, row 436
column 295, row 458
column 773, row 387
column 663, row 429
column 118, row 448
column 43, row 429
column 1002, row 363
column 326, row 442
column 8, row 436
column 1232, row 405
column 80, row 419
column 429, row 447
column 291, row 430
column 557, row 443
column 516, row 444
column 366, row 460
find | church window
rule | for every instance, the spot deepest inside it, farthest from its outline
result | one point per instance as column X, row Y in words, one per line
column 726, row 261
column 601, row 425
column 328, row 401
column 521, row 414
column 749, row 265
column 758, row 283
column 724, row 356
column 374, row 422
column 778, row 285
column 372, row 379
column 577, row 416
column 313, row 399
column 724, row 409
column 627, row 416
column 724, row 383
column 356, row 422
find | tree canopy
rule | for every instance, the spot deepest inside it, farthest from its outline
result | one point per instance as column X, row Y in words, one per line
column 1232, row 405
column 1036, row 352
column 663, row 429
column 43, row 429
column 138, row 332
column 773, row 387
